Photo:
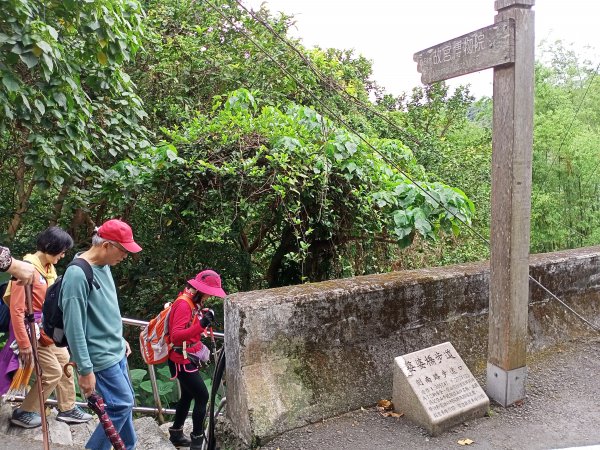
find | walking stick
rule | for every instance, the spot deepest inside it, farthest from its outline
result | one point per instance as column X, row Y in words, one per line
column 38, row 370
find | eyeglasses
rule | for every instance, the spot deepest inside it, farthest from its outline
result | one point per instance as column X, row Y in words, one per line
column 118, row 247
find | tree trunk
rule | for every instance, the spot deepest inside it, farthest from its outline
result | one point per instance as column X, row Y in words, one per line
column 59, row 203
column 24, row 191
column 275, row 272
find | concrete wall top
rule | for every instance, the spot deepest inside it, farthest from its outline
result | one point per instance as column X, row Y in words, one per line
column 299, row 354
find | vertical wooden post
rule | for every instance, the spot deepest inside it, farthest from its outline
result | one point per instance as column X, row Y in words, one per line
column 512, row 143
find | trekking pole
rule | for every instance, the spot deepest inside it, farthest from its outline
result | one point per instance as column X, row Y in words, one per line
column 213, row 345
column 38, row 370
column 96, row 403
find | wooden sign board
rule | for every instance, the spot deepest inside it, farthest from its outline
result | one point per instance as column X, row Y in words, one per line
column 435, row 389
column 488, row 47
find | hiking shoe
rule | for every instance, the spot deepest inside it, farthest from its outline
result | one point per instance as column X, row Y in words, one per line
column 75, row 415
column 26, row 419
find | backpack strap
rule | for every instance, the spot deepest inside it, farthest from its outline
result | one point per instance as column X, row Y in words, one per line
column 87, row 270
column 190, row 302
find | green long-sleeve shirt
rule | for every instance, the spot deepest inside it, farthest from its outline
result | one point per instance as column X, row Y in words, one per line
column 92, row 322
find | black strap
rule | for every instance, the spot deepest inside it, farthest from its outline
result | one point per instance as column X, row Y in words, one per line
column 87, row 270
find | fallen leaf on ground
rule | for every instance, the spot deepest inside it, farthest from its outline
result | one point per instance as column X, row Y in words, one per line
column 390, row 414
column 385, row 405
column 386, row 408
column 465, row 442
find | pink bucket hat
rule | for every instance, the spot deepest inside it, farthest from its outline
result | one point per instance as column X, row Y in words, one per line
column 118, row 231
column 208, row 282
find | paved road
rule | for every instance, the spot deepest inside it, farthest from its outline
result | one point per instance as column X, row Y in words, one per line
column 562, row 410
column 17, row 443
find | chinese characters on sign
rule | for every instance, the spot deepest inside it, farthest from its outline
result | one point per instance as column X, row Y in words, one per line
column 481, row 49
column 459, row 48
column 444, row 383
column 437, row 382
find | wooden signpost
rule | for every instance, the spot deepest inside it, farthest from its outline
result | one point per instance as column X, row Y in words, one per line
column 508, row 46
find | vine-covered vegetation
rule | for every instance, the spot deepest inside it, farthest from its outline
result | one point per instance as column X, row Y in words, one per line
column 167, row 115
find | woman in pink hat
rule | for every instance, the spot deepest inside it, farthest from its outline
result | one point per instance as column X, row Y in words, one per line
column 187, row 321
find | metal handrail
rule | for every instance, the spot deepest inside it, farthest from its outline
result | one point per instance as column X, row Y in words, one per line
column 138, row 409
column 158, row 409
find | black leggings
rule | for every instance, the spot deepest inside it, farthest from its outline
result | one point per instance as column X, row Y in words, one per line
column 192, row 387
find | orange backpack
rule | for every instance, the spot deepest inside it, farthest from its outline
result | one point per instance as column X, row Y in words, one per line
column 154, row 338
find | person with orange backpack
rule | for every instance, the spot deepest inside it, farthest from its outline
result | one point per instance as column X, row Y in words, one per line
column 187, row 321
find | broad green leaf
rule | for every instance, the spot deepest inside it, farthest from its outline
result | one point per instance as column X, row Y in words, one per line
column 40, row 106
column 351, row 147
column 17, row 49
column 60, row 98
column 137, row 375
column 8, row 112
column 52, row 32
column 10, row 82
column 422, row 225
column 44, row 46
column 146, row 386
column 102, row 58
column 29, row 59
column 48, row 60
column 164, row 372
column 25, row 102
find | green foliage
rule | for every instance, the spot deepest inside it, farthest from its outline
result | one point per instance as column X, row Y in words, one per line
column 193, row 53
column 566, row 141
column 243, row 167
column 166, row 387
column 290, row 183
column 67, row 108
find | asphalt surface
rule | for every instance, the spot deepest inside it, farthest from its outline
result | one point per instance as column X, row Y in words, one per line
column 561, row 410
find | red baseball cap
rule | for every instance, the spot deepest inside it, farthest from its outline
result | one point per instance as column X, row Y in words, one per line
column 118, row 231
column 208, row 282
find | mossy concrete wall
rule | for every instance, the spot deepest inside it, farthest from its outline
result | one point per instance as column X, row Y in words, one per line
column 300, row 354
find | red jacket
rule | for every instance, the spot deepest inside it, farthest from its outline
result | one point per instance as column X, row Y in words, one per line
column 180, row 329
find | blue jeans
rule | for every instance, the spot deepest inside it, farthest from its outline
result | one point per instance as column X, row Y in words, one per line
column 114, row 386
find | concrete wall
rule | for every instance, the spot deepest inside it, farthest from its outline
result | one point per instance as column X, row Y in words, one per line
column 299, row 354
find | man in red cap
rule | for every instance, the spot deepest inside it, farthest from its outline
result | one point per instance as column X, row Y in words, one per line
column 94, row 330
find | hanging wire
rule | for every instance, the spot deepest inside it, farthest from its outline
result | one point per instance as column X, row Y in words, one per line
column 334, row 115
column 383, row 156
column 583, row 183
column 329, row 82
column 562, row 142
column 579, row 316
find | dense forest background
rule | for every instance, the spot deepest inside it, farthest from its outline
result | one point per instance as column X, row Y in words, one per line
column 274, row 164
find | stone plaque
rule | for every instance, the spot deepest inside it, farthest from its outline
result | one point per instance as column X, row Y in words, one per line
column 435, row 389
column 488, row 47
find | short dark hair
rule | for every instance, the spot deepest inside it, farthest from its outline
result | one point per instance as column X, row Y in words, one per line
column 54, row 241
